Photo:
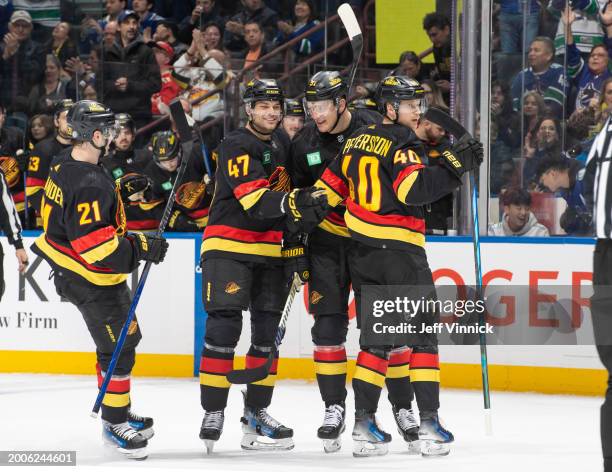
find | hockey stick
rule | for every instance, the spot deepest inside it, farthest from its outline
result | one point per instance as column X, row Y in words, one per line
column 208, row 178
column 186, row 137
column 349, row 20
column 456, row 129
column 245, row 376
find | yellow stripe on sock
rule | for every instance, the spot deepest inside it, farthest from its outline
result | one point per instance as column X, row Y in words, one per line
column 210, row 380
column 116, row 400
column 425, row 375
column 369, row 376
column 398, row 372
column 269, row 381
column 330, row 368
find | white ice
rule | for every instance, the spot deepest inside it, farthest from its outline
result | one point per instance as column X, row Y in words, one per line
column 531, row 431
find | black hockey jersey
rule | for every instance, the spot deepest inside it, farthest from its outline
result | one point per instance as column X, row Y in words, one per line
column 311, row 153
column 381, row 177
column 84, row 225
column 245, row 219
column 38, row 169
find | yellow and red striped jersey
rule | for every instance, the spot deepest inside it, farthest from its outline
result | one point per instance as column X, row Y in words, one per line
column 245, row 221
column 84, row 225
column 381, row 179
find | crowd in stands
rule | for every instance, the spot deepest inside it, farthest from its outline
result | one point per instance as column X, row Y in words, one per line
column 551, row 85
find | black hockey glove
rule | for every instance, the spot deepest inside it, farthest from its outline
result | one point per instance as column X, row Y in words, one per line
column 576, row 222
column 295, row 256
column 149, row 247
column 463, row 157
column 304, row 207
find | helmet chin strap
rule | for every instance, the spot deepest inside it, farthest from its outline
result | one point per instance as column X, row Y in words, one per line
column 338, row 115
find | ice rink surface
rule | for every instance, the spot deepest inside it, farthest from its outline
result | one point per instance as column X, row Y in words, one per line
column 531, row 432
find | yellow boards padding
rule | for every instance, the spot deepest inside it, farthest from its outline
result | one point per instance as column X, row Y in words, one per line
column 399, row 28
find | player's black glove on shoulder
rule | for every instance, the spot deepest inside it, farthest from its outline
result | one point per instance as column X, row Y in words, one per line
column 295, row 256
column 149, row 247
column 304, row 207
column 463, row 156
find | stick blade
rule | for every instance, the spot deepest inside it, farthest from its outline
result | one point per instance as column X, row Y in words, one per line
column 246, row 376
column 349, row 20
column 180, row 120
column 437, row 116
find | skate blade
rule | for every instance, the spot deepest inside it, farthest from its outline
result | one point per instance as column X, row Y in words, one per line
column 414, row 447
column 430, row 448
column 332, row 445
column 367, row 449
column 134, row 454
column 255, row 442
column 210, row 445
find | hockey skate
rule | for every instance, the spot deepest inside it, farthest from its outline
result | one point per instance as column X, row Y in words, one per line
column 434, row 438
column 333, row 426
column 142, row 424
column 212, row 427
column 368, row 438
column 125, row 440
column 261, row 432
column 408, row 427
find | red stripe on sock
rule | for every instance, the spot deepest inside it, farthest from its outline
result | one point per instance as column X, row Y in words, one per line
column 330, row 356
column 373, row 362
column 216, row 366
column 400, row 358
column 252, row 362
column 424, row 360
column 115, row 386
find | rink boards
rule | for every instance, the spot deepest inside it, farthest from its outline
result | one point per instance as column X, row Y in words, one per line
column 41, row 333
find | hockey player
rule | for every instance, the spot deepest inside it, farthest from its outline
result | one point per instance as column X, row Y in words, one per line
column 141, row 212
column 380, row 176
column 242, row 266
column 312, row 150
column 43, row 153
column 122, row 158
column 86, row 244
column 293, row 119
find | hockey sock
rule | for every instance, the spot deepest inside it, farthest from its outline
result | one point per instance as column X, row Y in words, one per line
column 369, row 379
column 215, row 363
column 330, row 367
column 116, row 401
column 259, row 394
column 425, row 379
column 398, row 379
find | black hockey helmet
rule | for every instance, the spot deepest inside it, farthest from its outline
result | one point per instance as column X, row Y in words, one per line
column 124, row 120
column 88, row 116
column 62, row 105
column 395, row 88
column 258, row 90
column 326, row 85
column 131, row 184
column 166, row 146
column 294, row 108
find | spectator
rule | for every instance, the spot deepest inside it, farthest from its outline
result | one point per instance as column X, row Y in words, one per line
column 147, row 19
column 113, row 10
column 89, row 92
column 517, row 220
column 434, row 94
column 546, row 144
column 587, row 78
column 212, row 36
column 437, row 27
column 409, row 65
column 204, row 12
column 22, row 63
column 605, row 104
column 511, row 20
column 587, row 29
column 131, row 74
column 293, row 118
column 502, row 171
column 60, row 45
column 41, row 127
column 203, row 71
column 43, row 96
column 83, row 74
column 543, row 76
column 169, row 88
column 166, row 31
column 507, row 120
column 305, row 18
column 559, row 174
column 253, row 11
column 110, row 33
column 45, row 15
column 534, row 108
column 11, row 138
column 256, row 47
